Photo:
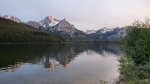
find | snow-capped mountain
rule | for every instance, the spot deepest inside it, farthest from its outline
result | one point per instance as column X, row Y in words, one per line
column 109, row 34
column 90, row 31
column 13, row 18
column 59, row 27
column 66, row 30
column 48, row 21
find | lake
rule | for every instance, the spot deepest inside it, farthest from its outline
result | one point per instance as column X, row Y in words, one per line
column 59, row 63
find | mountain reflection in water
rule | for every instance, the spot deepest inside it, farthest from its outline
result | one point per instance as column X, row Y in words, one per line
column 16, row 58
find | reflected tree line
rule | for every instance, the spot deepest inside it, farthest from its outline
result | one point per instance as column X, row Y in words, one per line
column 12, row 57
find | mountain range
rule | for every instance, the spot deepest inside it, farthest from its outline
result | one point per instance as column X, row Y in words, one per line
column 65, row 29
column 59, row 27
column 109, row 34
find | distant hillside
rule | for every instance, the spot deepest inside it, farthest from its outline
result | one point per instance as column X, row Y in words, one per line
column 13, row 32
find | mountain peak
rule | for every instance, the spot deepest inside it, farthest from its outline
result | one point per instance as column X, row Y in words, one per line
column 12, row 17
column 50, row 17
column 48, row 21
column 65, row 20
column 65, row 26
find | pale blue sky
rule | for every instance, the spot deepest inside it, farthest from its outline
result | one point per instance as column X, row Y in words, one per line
column 84, row 14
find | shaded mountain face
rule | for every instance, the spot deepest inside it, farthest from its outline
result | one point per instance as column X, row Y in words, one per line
column 109, row 34
column 65, row 26
column 12, row 17
column 33, row 24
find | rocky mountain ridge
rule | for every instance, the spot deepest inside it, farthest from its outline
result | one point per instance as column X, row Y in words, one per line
column 62, row 28
column 109, row 34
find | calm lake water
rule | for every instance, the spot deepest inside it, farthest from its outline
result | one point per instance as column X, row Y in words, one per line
column 59, row 64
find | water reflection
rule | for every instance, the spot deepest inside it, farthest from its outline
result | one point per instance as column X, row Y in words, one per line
column 13, row 56
column 80, row 60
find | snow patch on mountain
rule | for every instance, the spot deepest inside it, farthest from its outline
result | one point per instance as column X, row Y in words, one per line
column 49, row 21
column 104, row 30
column 90, row 31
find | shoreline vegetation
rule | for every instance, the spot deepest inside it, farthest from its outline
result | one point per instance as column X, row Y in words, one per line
column 134, row 67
